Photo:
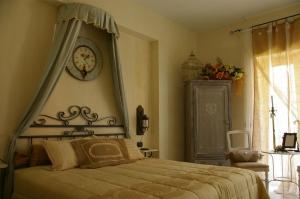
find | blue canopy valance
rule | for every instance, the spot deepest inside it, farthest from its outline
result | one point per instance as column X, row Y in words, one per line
column 69, row 21
column 90, row 15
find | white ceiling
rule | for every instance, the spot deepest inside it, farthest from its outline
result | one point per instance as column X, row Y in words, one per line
column 210, row 14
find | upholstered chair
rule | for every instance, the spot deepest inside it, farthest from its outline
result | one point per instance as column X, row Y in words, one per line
column 242, row 156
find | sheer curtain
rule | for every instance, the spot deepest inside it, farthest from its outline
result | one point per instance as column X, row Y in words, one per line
column 276, row 57
column 246, row 39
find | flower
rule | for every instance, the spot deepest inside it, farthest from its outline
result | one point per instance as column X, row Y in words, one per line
column 219, row 75
column 221, row 72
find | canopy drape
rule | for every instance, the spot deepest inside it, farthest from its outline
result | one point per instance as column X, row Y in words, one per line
column 69, row 21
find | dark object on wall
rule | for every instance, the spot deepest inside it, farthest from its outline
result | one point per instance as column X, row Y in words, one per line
column 142, row 121
column 289, row 140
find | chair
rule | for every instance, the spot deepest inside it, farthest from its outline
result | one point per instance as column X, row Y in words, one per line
column 240, row 140
column 298, row 170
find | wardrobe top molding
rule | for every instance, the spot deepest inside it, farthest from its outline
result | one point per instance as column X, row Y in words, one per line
column 57, row 2
column 208, row 82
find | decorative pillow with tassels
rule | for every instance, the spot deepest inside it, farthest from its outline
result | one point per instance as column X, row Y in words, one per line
column 243, row 156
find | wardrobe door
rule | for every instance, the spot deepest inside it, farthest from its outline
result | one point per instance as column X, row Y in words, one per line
column 208, row 108
column 211, row 119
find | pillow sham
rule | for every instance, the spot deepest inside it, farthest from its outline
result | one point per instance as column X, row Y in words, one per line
column 39, row 156
column 133, row 151
column 243, row 156
column 61, row 154
column 97, row 153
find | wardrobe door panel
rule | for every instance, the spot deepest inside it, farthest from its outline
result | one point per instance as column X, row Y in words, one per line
column 210, row 117
column 207, row 120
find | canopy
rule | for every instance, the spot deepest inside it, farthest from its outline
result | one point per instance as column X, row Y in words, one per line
column 69, row 21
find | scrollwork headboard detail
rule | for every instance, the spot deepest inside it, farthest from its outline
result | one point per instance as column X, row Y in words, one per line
column 63, row 120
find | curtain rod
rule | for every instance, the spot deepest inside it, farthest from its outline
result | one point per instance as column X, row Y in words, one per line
column 245, row 29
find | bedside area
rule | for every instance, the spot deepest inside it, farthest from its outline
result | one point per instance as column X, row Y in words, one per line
column 3, row 166
column 149, row 153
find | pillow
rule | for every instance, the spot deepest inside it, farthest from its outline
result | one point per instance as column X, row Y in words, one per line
column 39, row 156
column 243, row 156
column 97, row 153
column 133, row 151
column 21, row 160
column 61, row 154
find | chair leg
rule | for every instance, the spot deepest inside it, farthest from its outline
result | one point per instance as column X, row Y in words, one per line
column 267, row 180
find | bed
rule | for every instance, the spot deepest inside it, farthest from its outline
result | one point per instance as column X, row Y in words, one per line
column 76, row 169
column 148, row 178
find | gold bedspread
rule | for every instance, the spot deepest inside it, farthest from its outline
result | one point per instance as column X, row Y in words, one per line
column 144, row 179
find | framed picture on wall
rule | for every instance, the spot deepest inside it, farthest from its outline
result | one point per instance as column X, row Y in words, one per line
column 289, row 140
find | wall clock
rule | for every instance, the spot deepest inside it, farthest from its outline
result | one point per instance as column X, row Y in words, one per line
column 86, row 61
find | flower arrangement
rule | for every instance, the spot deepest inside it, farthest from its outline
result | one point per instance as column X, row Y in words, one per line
column 221, row 71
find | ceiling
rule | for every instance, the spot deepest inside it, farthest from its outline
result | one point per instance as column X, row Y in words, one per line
column 210, row 14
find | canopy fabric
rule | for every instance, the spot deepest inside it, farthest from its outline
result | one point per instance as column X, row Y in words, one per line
column 70, row 18
column 118, row 85
column 90, row 15
column 65, row 38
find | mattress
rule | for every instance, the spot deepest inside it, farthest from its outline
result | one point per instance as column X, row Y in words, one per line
column 144, row 179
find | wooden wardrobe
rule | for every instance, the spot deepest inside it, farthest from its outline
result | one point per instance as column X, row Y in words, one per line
column 207, row 119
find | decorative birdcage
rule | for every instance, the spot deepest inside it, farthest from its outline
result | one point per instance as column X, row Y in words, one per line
column 191, row 67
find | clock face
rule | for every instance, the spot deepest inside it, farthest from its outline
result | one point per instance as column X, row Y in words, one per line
column 86, row 61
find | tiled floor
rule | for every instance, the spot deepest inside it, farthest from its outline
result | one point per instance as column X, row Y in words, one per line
column 273, row 195
column 280, row 196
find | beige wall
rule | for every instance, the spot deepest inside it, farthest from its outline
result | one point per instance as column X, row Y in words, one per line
column 137, row 61
column 25, row 41
column 98, row 94
column 174, row 44
column 152, row 49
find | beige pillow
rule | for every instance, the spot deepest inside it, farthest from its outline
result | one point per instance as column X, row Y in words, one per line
column 100, row 152
column 61, row 154
column 133, row 151
column 244, row 156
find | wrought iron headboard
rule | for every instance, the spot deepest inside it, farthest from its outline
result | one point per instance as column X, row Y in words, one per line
column 90, row 119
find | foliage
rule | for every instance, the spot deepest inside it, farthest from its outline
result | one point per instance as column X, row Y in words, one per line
column 221, row 71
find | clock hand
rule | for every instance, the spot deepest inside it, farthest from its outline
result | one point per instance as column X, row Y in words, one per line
column 87, row 56
column 85, row 63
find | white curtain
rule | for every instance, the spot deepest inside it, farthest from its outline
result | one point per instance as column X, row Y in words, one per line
column 246, row 39
column 276, row 58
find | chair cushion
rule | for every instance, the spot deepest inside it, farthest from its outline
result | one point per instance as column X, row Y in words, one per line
column 250, row 165
column 243, row 156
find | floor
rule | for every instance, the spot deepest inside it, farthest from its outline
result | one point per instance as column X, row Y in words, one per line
column 279, row 196
column 274, row 195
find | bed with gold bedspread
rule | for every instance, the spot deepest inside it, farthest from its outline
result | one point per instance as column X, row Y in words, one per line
column 143, row 179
